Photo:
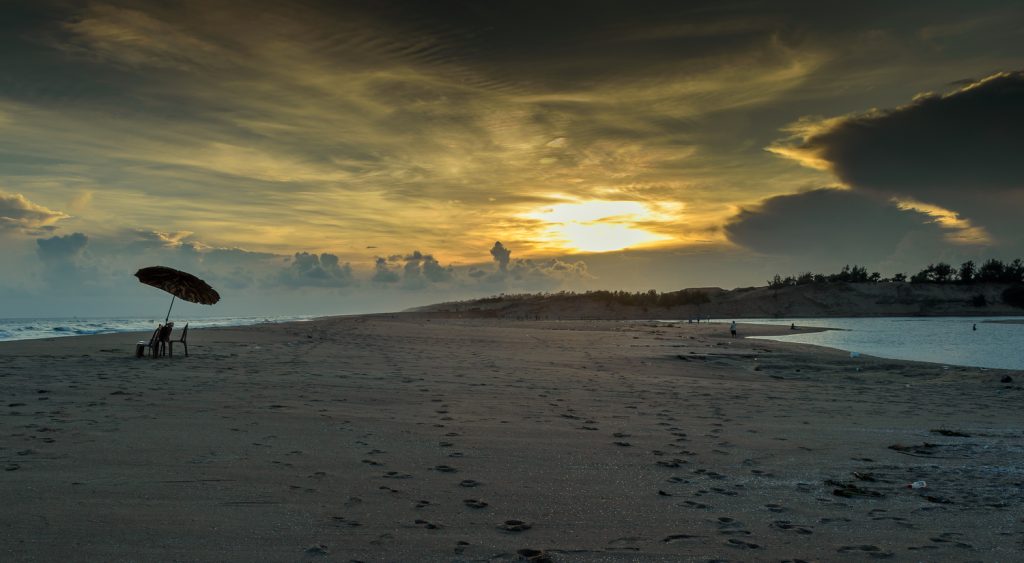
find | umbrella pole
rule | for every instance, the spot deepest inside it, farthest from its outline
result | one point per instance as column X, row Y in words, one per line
column 169, row 309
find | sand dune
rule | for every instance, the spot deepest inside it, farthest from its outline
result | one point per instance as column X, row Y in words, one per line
column 883, row 299
column 407, row 439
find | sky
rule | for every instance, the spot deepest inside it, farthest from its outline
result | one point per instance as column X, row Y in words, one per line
column 324, row 157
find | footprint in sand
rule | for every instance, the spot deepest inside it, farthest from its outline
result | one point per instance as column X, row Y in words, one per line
column 428, row 525
column 317, row 550
column 474, row 503
column 733, row 542
column 445, row 469
column 422, row 503
column 872, row 550
column 469, row 483
column 346, row 521
column 396, row 475
column 679, row 537
column 534, row 555
column 787, row 525
column 514, row 526
column 672, row 463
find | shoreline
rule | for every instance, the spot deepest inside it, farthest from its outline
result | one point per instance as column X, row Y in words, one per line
column 765, row 332
column 400, row 438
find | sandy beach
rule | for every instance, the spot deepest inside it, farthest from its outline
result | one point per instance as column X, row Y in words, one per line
column 409, row 438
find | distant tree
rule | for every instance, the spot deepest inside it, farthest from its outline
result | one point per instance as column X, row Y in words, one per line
column 992, row 271
column 1015, row 271
column 899, row 277
column 924, row 276
column 967, row 272
column 874, row 277
column 942, row 273
column 934, row 273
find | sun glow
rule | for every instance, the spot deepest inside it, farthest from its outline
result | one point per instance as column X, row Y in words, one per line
column 600, row 225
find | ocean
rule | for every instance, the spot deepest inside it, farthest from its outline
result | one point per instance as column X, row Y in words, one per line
column 942, row 340
column 28, row 329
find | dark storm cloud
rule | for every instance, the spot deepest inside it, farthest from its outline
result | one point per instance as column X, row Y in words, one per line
column 969, row 141
column 827, row 223
column 960, row 151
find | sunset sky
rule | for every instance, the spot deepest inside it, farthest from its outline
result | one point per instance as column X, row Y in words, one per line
column 334, row 157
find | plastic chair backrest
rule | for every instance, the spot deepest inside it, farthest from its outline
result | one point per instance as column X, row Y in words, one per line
column 156, row 335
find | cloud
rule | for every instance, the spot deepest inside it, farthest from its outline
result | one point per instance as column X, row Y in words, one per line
column 528, row 274
column 382, row 273
column 144, row 238
column 425, row 267
column 959, row 151
column 501, row 255
column 553, row 271
column 832, row 225
column 61, row 248
column 17, row 213
column 134, row 38
column 62, row 261
column 310, row 270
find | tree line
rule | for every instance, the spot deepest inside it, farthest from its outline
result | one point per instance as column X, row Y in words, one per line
column 992, row 271
column 650, row 298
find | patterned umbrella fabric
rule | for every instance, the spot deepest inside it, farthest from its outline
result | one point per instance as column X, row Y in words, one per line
column 179, row 284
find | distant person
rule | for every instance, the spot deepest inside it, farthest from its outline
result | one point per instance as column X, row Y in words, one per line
column 975, row 327
column 792, row 326
column 732, row 329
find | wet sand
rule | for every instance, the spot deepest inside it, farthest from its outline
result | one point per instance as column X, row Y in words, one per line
column 408, row 439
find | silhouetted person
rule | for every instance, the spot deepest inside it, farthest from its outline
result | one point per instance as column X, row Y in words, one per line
column 732, row 329
column 792, row 326
column 975, row 327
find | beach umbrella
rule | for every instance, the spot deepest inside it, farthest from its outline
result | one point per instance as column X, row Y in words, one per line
column 181, row 285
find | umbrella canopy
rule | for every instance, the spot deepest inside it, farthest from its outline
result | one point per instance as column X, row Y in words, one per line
column 182, row 285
